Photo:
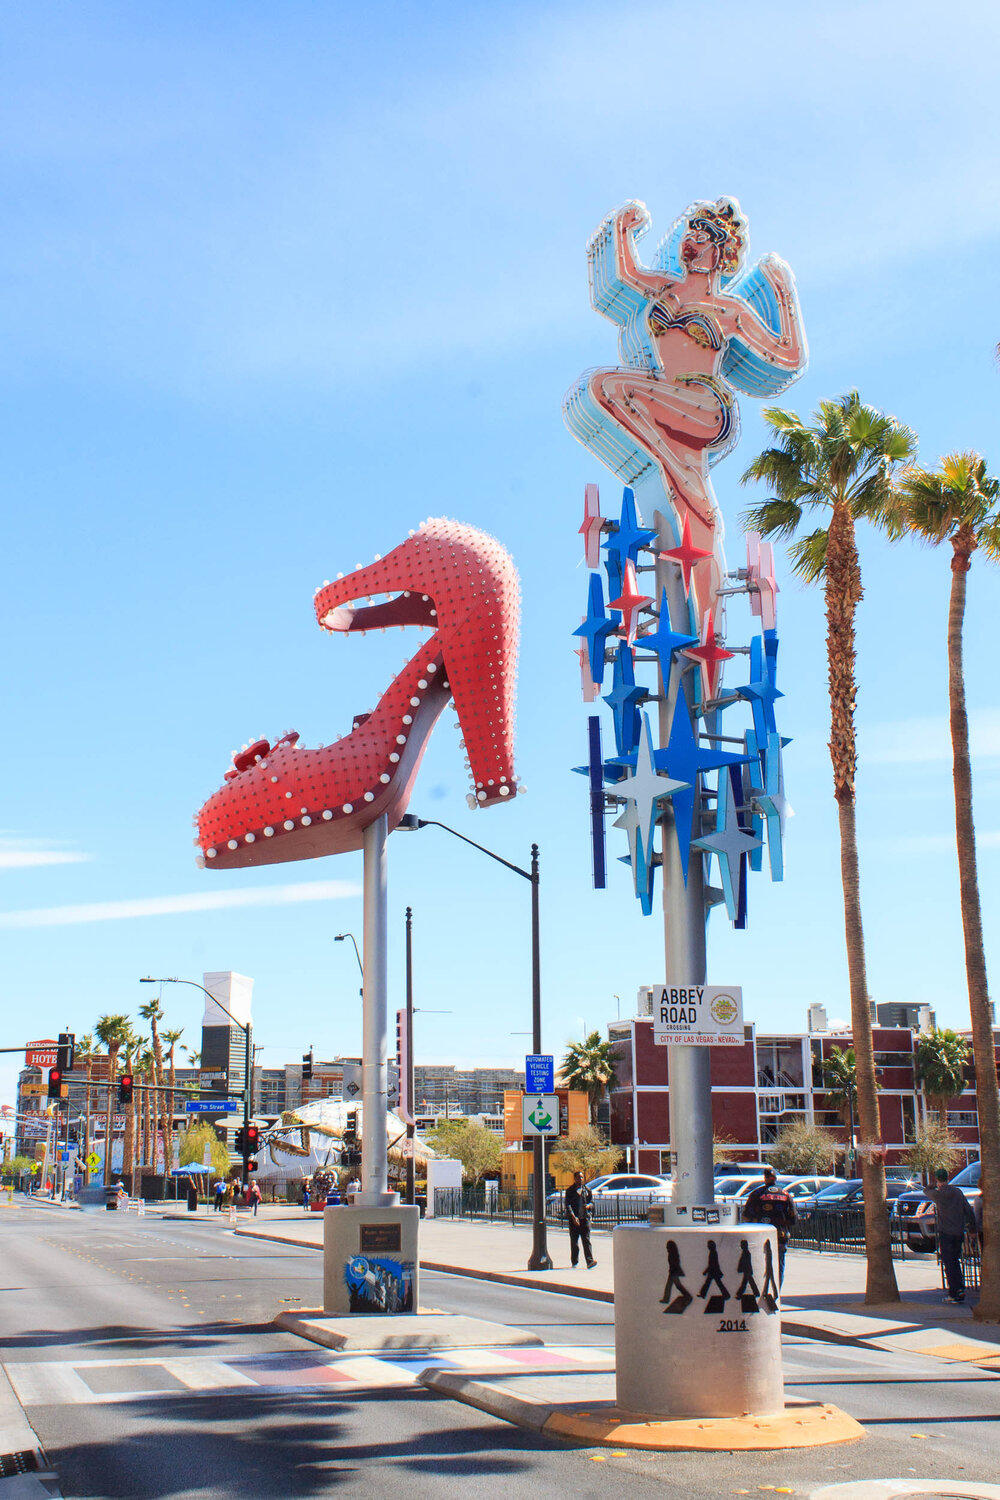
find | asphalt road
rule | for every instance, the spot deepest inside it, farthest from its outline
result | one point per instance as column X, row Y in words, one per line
column 124, row 1338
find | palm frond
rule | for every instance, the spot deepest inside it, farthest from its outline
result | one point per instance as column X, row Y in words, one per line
column 773, row 517
column 808, row 555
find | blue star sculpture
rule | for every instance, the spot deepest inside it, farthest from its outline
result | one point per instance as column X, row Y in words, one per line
column 623, row 700
column 645, row 788
column 623, row 544
column 665, row 641
column 597, row 627
column 685, row 758
column 762, row 691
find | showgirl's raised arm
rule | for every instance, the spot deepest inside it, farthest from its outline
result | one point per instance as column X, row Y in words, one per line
column 630, row 218
column 787, row 348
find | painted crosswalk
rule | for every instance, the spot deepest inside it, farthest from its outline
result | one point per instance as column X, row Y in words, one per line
column 88, row 1382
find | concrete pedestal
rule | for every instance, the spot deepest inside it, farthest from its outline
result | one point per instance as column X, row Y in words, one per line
column 697, row 1326
column 370, row 1260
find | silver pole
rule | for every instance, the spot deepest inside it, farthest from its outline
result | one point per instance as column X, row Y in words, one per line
column 374, row 1138
column 684, row 943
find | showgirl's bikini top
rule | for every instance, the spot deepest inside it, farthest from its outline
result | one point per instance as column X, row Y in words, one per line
column 699, row 327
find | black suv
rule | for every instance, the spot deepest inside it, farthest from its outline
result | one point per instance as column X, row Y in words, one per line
column 915, row 1211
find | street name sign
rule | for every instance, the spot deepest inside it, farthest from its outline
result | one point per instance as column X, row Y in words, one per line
column 540, row 1115
column 697, row 1015
column 539, row 1073
column 212, row 1106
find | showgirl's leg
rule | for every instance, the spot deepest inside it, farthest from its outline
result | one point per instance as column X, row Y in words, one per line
column 675, row 425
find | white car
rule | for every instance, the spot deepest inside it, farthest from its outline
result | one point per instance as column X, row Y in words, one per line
column 625, row 1193
column 736, row 1189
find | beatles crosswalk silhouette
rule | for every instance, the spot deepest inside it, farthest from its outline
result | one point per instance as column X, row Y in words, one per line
column 751, row 1298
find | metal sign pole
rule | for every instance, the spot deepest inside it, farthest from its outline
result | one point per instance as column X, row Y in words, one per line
column 374, row 1135
column 689, row 1068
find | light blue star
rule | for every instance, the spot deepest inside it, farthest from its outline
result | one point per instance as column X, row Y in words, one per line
column 729, row 844
column 646, row 789
column 774, row 806
column 642, row 870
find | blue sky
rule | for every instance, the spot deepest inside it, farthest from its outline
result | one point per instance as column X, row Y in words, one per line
column 279, row 282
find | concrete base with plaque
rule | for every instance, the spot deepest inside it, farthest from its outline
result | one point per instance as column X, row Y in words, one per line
column 697, row 1321
column 370, row 1262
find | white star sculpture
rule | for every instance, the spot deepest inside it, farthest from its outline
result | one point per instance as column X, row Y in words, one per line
column 645, row 787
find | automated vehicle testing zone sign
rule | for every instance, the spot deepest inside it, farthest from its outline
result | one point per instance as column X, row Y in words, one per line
column 697, row 1015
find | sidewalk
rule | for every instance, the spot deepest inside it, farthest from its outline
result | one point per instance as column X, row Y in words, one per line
column 822, row 1297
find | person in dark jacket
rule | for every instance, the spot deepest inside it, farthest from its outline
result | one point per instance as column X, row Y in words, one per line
column 579, row 1205
column 953, row 1216
column 770, row 1204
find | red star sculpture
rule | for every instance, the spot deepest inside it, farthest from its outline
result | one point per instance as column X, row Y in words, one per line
column 709, row 655
column 593, row 525
column 630, row 602
column 686, row 555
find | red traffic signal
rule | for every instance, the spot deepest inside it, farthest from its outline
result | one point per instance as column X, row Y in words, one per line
column 125, row 1089
column 55, row 1083
column 252, row 1139
column 252, row 1166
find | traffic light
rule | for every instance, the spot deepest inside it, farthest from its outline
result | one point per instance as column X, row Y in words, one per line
column 252, row 1165
column 252, row 1135
column 125, row 1089
column 351, row 1127
column 307, row 1065
column 65, row 1052
column 55, row 1083
column 241, row 1141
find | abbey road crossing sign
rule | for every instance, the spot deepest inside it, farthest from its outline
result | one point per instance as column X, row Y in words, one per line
column 540, row 1115
column 697, row 1015
column 539, row 1073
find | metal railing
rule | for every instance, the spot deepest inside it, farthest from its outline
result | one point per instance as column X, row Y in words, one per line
column 514, row 1206
column 826, row 1229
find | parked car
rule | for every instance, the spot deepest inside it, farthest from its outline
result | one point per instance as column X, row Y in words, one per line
column 915, row 1211
column 841, row 1197
column 739, row 1168
column 800, row 1188
column 616, row 1192
column 796, row 1187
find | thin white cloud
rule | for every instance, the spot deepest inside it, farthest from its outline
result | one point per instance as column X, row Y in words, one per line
column 23, row 859
column 932, row 843
column 915, row 741
column 171, row 906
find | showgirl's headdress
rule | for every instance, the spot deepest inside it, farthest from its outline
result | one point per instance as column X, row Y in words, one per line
column 727, row 227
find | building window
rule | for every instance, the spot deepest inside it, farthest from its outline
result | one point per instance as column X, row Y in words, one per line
column 965, row 1119
column 909, row 1121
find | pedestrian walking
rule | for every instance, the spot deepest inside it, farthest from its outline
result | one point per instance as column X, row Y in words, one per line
column 954, row 1216
column 579, row 1207
column 305, row 1196
column 220, row 1190
column 254, row 1198
column 770, row 1204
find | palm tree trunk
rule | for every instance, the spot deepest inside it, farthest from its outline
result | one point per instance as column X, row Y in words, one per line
column 843, row 595
column 987, row 1098
column 112, row 1060
column 86, row 1123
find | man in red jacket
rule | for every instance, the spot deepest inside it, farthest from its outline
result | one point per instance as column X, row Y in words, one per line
column 770, row 1204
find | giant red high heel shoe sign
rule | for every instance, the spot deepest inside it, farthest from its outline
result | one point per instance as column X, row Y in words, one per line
column 285, row 802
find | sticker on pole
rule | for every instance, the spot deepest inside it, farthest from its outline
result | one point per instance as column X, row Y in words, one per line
column 697, row 1015
column 540, row 1114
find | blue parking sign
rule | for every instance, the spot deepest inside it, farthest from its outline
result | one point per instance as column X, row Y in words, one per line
column 539, row 1073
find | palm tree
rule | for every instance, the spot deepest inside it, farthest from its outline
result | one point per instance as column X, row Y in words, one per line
column 153, row 1013
column 840, row 1084
column 958, row 504
column 842, row 465
column 171, row 1038
column 144, row 1068
column 111, row 1031
column 940, row 1067
column 86, row 1051
column 589, row 1066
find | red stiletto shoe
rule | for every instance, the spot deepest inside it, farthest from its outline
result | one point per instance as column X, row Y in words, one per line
column 280, row 802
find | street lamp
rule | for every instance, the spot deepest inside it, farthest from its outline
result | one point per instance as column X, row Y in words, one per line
column 247, row 1067
column 539, row 1259
column 339, row 938
column 407, row 1086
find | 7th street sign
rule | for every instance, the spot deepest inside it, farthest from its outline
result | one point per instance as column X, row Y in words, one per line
column 539, row 1115
column 697, row 1015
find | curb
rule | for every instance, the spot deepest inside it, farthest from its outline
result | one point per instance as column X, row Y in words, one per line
column 803, row 1424
column 511, row 1278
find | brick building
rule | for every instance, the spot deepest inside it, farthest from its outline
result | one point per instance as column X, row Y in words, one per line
column 771, row 1081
